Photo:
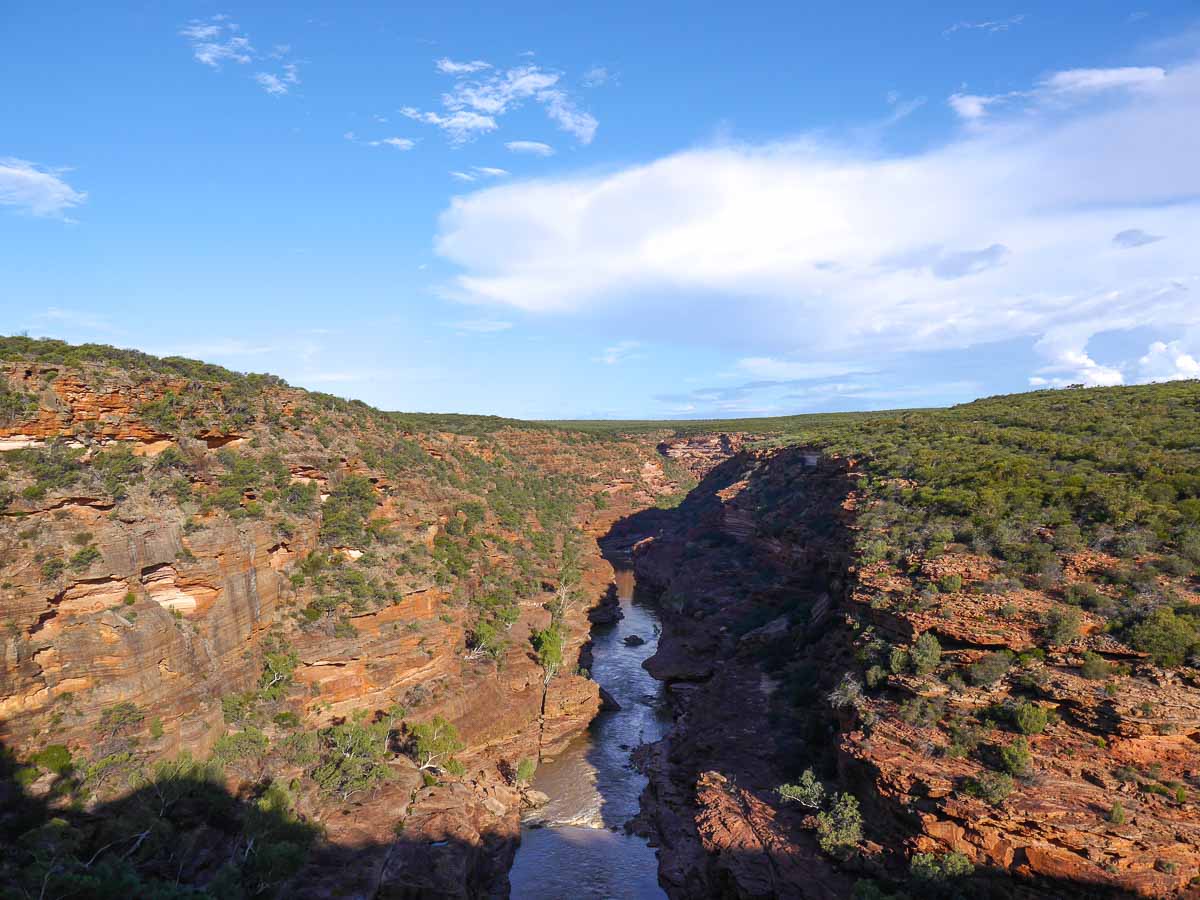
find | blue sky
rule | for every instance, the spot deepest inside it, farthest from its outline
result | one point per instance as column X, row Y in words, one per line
column 549, row 210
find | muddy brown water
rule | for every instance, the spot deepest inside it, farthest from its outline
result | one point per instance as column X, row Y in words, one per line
column 576, row 846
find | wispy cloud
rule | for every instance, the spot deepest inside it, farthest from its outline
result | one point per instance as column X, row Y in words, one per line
column 1059, row 89
column 397, row 143
column 477, row 173
column 450, row 67
column 536, row 148
column 482, row 94
column 77, row 319
column 217, row 40
column 39, row 190
column 620, row 352
column 989, row 26
column 596, row 76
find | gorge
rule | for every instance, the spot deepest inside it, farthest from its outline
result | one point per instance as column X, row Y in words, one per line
column 265, row 642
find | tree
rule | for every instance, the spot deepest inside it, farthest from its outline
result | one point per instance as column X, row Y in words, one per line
column 808, row 791
column 840, row 828
column 549, row 646
column 350, row 757
column 435, row 742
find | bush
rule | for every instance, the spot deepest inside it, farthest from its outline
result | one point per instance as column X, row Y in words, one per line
column 55, row 758
column 549, row 646
column 926, row 653
column 525, row 770
column 1117, row 814
column 1061, row 624
column 990, row 668
column 950, row 584
column 1095, row 667
column 1015, row 757
column 1167, row 637
column 929, row 867
column 1030, row 718
column 840, row 828
column 808, row 791
column 84, row 558
column 991, row 787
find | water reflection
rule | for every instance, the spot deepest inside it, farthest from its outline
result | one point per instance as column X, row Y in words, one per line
column 583, row 851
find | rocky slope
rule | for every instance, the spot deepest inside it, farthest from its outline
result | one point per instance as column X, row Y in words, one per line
column 781, row 656
column 219, row 564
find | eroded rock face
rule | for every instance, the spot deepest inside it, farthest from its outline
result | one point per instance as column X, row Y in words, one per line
column 159, row 599
column 763, row 613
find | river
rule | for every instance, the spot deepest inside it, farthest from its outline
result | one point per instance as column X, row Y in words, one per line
column 576, row 846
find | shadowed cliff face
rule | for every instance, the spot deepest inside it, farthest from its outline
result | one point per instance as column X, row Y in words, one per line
column 765, row 613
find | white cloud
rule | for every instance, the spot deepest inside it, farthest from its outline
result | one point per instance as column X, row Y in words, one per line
column 217, row 40
column 480, row 95
column 398, row 143
column 36, row 189
column 450, row 67
column 1087, row 80
column 619, row 352
column 991, row 27
column 478, row 172
column 807, row 250
column 1169, row 362
column 481, row 326
column 536, row 148
column 272, row 84
column 460, row 127
column 1059, row 89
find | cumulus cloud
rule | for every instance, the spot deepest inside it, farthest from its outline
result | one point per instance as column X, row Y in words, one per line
column 1170, row 361
column 36, row 189
column 805, row 249
column 1134, row 237
column 535, row 148
column 481, row 95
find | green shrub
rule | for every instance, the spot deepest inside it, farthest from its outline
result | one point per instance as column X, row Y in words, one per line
column 950, row 584
column 991, row 787
column 1061, row 624
column 1015, row 757
column 84, row 558
column 990, row 668
column 1167, row 637
column 840, row 828
column 55, row 758
column 525, row 770
column 1095, row 667
column 1030, row 718
column 929, row 867
column 925, row 654
column 1117, row 814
